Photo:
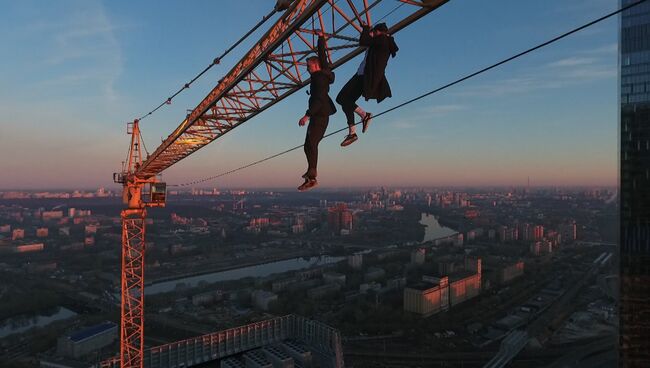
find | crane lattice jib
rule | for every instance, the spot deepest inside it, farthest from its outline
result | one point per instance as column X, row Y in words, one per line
column 274, row 69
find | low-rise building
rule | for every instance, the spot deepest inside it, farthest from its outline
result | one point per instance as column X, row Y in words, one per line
column 26, row 248
column 88, row 340
column 355, row 261
column 371, row 286
column 374, row 273
column 418, row 256
column 334, row 277
column 262, row 299
column 511, row 271
column 207, row 298
column 51, row 215
column 90, row 229
column 42, row 232
column 396, row 283
column 323, row 290
column 283, row 284
column 18, row 234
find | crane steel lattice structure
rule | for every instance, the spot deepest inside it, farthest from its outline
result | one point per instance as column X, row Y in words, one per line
column 269, row 72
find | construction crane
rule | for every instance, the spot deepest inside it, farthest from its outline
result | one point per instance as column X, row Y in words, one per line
column 270, row 71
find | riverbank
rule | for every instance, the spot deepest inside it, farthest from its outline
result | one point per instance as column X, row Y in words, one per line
column 231, row 267
column 256, row 270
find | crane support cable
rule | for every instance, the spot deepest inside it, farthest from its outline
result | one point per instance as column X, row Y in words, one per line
column 269, row 73
column 214, row 62
column 429, row 93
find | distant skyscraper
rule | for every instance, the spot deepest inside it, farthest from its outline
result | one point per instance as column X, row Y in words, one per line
column 538, row 232
column 339, row 218
column 634, row 131
column 526, row 232
column 568, row 231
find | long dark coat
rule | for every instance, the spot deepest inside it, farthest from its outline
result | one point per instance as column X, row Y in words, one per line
column 375, row 84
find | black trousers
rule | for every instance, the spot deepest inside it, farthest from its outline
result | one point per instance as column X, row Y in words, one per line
column 349, row 95
column 315, row 132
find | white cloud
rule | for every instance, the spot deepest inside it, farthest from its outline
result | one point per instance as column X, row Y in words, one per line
column 573, row 61
column 81, row 56
column 610, row 49
column 584, row 66
column 404, row 124
column 442, row 109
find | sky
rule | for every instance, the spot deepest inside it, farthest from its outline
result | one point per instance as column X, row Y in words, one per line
column 73, row 72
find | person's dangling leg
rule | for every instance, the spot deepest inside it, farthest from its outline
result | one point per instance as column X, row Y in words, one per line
column 347, row 98
column 315, row 132
column 307, row 147
column 365, row 116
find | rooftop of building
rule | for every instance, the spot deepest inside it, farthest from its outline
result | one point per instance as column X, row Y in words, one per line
column 457, row 276
column 91, row 331
column 421, row 286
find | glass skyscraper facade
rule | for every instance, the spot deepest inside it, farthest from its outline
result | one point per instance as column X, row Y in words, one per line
column 634, row 62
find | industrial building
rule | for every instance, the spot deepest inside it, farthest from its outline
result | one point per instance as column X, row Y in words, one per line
column 435, row 294
column 88, row 340
column 427, row 298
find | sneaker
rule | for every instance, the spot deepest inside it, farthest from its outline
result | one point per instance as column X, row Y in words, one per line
column 308, row 184
column 366, row 122
column 349, row 139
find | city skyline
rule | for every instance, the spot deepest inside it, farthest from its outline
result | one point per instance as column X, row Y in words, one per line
column 460, row 270
column 551, row 116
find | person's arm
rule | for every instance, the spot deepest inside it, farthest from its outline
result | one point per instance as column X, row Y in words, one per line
column 322, row 53
column 365, row 39
column 393, row 47
column 314, row 105
column 303, row 120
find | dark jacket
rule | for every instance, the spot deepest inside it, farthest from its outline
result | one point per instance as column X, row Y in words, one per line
column 320, row 103
column 375, row 85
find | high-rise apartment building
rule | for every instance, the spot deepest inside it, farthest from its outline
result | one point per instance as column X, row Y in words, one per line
column 634, row 133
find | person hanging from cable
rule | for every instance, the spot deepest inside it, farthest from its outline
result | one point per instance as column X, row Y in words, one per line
column 319, row 110
column 370, row 80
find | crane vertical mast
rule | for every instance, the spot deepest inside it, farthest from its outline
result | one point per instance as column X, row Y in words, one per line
column 137, row 195
column 133, row 247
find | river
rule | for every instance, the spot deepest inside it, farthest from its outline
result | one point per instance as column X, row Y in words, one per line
column 433, row 229
column 260, row 270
